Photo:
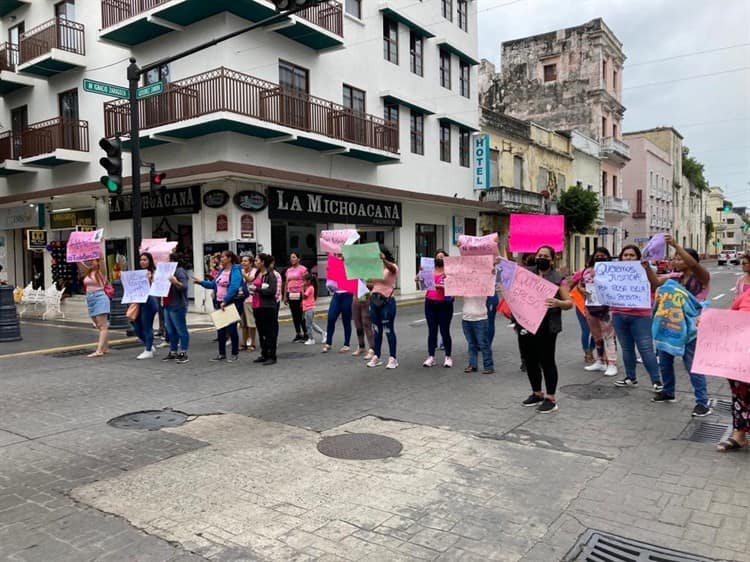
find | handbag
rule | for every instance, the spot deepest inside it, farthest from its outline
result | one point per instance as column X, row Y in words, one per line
column 378, row 300
column 134, row 309
column 109, row 290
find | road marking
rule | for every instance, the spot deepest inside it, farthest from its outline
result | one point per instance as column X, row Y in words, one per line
column 717, row 297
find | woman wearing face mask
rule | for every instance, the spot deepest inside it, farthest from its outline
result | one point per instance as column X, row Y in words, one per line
column 143, row 325
column 633, row 329
column 438, row 313
column 538, row 350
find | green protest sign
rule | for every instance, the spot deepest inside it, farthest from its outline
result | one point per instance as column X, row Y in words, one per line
column 363, row 261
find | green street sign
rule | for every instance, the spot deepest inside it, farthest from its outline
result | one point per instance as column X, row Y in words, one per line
column 150, row 90
column 105, row 89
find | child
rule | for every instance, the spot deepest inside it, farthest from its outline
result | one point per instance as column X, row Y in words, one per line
column 309, row 294
column 474, row 323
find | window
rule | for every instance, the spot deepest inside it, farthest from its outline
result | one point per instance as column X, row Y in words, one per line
column 390, row 40
column 391, row 112
column 614, row 131
column 463, row 15
column 604, row 183
column 494, row 168
column 445, row 69
column 604, row 127
column 354, row 8
column 518, row 172
column 464, row 144
column 294, row 110
column 464, row 79
column 14, row 37
column 561, row 182
column 354, row 99
column 542, row 179
column 730, row 221
column 448, row 9
column 68, row 106
column 614, row 186
column 639, row 202
column 614, row 80
column 445, row 142
column 417, row 132
column 416, row 53
column 651, row 181
column 550, row 72
column 293, row 77
column 353, row 125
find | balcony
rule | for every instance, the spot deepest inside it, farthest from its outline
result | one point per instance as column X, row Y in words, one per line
column 223, row 100
column 55, row 46
column 7, row 6
column 54, row 142
column 10, row 81
column 131, row 22
column 615, row 150
column 616, row 206
column 10, row 146
column 639, row 215
column 512, row 199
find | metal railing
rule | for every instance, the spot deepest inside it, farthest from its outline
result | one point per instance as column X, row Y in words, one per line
column 617, row 205
column 47, row 136
column 223, row 89
column 8, row 56
column 57, row 33
column 329, row 14
column 6, row 146
column 515, row 198
column 611, row 144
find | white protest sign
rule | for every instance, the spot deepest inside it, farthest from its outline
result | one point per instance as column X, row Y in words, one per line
column 160, row 285
column 135, row 286
column 622, row 283
column 427, row 273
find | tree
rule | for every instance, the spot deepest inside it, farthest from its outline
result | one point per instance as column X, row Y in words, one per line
column 693, row 170
column 580, row 208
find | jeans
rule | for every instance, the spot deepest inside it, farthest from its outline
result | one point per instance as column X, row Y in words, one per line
column 311, row 325
column 144, row 324
column 477, row 340
column 538, row 352
column 491, row 304
column 341, row 305
column 604, row 335
column 384, row 318
column 267, row 323
column 300, row 327
column 666, row 365
column 234, row 335
column 438, row 315
column 587, row 342
column 362, row 322
column 635, row 331
column 176, row 324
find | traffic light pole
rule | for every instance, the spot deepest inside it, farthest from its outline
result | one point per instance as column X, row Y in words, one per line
column 134, row 74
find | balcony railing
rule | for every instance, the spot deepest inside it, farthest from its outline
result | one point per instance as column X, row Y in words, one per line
column 329, row 14
column 57, row 33
column 7, row 146
column 8, row 56
column 224, row 90
column 47, row 136
column 639, row 215
column 616, row 205
column 515, row 198
column 611, row 145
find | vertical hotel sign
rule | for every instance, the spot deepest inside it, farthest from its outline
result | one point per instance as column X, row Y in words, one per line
column 481, row 150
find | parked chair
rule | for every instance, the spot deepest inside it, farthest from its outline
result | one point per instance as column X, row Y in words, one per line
column 52, row 299
column 31, row 297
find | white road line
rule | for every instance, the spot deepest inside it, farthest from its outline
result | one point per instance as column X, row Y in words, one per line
column 717, row 297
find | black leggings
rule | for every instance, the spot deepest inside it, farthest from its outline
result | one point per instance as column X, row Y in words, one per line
column 267, row 323
column 538, row 352
column 295, row 306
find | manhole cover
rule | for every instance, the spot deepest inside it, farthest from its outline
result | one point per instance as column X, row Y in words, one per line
column 706, row 432
column 722, row 406
column 596, row 546
column 359, row 446
column 149, row 419
column 593, row 391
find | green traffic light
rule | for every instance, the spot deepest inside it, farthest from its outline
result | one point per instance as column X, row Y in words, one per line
column 111, row 185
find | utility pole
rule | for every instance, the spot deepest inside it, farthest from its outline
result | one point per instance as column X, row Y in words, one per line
column 134, row 74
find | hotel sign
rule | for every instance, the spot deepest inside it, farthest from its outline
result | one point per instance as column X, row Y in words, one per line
column 481, row 150
column 179, row 201
column 294, row 204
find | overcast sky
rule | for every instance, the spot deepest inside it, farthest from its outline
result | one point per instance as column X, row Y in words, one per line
column 712, row 112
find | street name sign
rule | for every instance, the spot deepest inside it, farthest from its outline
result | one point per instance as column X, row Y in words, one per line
column 150, row 90
column 105, row 89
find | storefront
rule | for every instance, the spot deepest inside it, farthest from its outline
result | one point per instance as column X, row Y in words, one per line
column 61, row 223
column 19, row 266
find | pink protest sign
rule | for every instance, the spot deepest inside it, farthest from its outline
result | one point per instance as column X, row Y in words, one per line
column 337, row 272
column 159, row 248
column 332, row 240
column 723, row 347
column 84, row 245
column 528, row 232
column 469, row 276
column 526, row 298
column 478, row 245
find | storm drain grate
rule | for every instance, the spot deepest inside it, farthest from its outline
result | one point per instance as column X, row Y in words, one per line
column 706, row 432
column 722, row 406
column 70, row 353
column 593, row 391
column 359, row 446
column 149, row 419
column 597, row 546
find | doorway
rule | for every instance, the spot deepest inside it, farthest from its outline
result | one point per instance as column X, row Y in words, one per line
column 68, row 107
column 14, row 39
column 19, row 122
column 65, row 11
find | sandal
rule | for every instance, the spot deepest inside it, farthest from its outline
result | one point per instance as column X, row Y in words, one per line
column 243, row 347
column 730, row 444
column 95, row 354
column 251, row 348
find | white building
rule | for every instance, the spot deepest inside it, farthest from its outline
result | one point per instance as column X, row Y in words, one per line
column 587, row 175
column 359, row 116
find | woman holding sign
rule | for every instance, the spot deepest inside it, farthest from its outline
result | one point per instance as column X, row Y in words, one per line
column 97, row 303
column 438, row 312
column 383, row 310
column 143, row 325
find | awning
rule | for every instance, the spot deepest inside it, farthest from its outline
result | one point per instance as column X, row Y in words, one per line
column 390, row 96
column 453, row 121
column 443, row 44
column 409, row 22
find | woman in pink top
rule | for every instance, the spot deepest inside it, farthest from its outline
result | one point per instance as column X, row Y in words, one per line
column 438, row 313
column 97, row 303
column 295, row 281
column 743, row 282
column 383, row 310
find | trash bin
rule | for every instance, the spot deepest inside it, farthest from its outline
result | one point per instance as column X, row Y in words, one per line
column 117, row 319
column 10, row 327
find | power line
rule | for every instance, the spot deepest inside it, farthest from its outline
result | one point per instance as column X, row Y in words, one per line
column 740, row 69
column 629, row 65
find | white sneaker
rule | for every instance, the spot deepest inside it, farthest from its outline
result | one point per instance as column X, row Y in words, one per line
column 146, row 354
column 429, row 362
column 374, row 362
column 370, row 354
column 598, row 366
column 611, row 371
column 448, row 362
column 162, row 343
column 310, row 341
column 344, row 349
column 392, row 363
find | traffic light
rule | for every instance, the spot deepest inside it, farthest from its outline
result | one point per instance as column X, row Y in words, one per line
column 727, row 208
column 284, row 5
column 156, row 179
column 113, row 164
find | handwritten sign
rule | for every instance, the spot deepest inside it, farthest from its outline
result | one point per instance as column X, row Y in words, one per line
column 723, row 347
column 622, row 283
column 135, row 286
column 337, row 273
column 362, row 261
column 223, row 318
column 332, row 240
column 159, row 248
column 427, row 273
column 526, row 298
column 469, row 276
column 528, row 232
column 506, row 269
column 478, row 245
column 84, row 246
column 161, row 284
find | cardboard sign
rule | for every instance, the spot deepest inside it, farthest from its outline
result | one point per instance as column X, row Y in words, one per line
column 160, row 284
column 427, row 273
column 362, row 261
column 223, row 318
column 469, row 276
column 337, row 273
column 529, row 232
column 135, row 286
column 526, row 298
column 723, row 346
column 478, row 245
column 622, row 283
column 332, row 240
column 84, row 246
column 159, row 248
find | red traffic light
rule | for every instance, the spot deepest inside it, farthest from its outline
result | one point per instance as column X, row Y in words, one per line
column 156, row 179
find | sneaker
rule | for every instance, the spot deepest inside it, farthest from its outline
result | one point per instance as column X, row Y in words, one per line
column 298, row 338
column 611, row 371
column 232, row 358
column 359, row 351
column 324, row 337
column 596, row 366
column 146, row 354
column 374, row 362
column 218, row 358
column 162, row 343
column 344, row 349
column 169, row 356
column 369, row 355
column 259, row 359
column 532, row 400
column 547, row 406
column 470, row 369
column 663, row 397
column 488, row 371
column 326, row 348
column 269, row 362
column 626, row 382
column 182, row 358
column 311, row 341
column 392, row 363
column 701, row 411
column 448, row 363
column 511, row 325
column 658, row 387
column 429, row 362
